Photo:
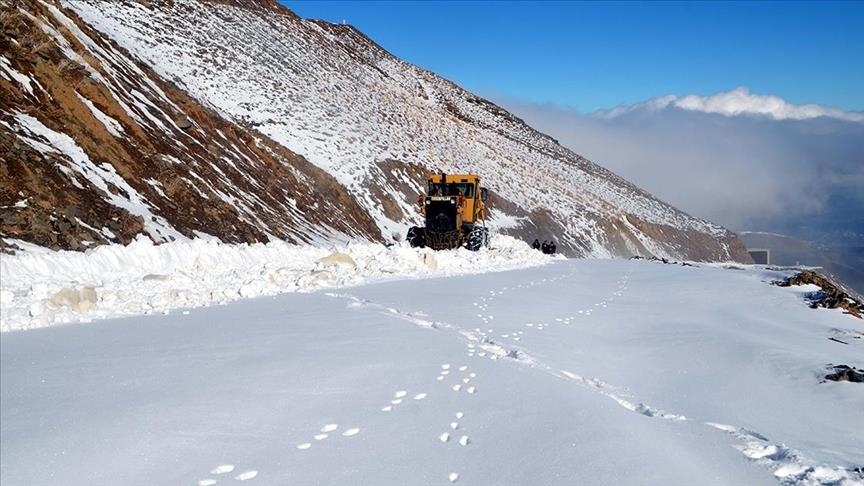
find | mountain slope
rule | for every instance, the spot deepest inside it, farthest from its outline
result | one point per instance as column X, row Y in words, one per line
column 376, row 125
column 102, row 149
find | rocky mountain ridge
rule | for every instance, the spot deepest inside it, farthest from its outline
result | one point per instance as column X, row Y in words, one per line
column 239, row 120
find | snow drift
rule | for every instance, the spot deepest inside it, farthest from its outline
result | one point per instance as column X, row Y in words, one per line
column 40, row 288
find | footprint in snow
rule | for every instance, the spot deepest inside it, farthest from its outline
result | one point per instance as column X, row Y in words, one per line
column 224, row 469
column 329, row 427
column 351, row 432
column 246, row 476
column 419, row 396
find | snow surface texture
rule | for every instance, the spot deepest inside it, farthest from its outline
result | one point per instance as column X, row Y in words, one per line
column 579, row 372
column 328, row 93
column 740, row 101
column 41, row 288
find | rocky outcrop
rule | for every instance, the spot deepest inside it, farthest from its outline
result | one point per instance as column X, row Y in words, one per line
column 831, row 296
column 845, row 373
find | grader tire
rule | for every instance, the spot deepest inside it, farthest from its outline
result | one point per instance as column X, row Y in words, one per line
column 477, row 238
column 416, row 237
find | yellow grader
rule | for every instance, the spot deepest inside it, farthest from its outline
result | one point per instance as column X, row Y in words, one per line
column 454, row 208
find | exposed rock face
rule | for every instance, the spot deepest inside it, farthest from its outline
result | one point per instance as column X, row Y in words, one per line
column 97, row 148
column 238, row 119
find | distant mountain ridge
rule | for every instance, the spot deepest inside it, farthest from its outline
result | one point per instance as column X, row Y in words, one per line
column 240, row 120
column 738, row 102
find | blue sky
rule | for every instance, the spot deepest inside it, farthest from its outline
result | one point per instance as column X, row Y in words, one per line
column 599, row 55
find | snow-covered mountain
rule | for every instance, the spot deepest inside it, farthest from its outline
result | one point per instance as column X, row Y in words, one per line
column 738, row 102
column 241, row 120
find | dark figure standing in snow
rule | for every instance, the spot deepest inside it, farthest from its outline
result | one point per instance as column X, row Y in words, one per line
column 552, row 247
column 545, row 246
column 536, row 244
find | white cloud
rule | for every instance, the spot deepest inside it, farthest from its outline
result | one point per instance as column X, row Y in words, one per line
column 740, row 101
column 803, row 177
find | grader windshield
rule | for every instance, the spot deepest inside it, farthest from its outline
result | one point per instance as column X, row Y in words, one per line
column 451, row 189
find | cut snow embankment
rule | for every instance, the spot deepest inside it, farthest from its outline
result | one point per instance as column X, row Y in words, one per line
column 42, row 288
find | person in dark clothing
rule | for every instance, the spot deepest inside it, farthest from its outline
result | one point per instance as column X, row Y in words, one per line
column 545, row 247
column 552, row 247
column 536, row 244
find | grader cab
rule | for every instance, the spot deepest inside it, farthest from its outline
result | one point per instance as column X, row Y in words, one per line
column 454, row 208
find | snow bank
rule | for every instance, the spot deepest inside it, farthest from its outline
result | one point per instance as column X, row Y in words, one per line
column 42, row 288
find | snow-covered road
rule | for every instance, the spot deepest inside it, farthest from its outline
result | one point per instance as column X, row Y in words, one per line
column 579, row 372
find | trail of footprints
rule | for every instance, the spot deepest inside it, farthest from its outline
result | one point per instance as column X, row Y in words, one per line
column 489, row 348
column 455, row 429
column 786, row 464
column 399, row 397
column 463, row 383
column 224, row 469
column 481, row 344
column 325, row 432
